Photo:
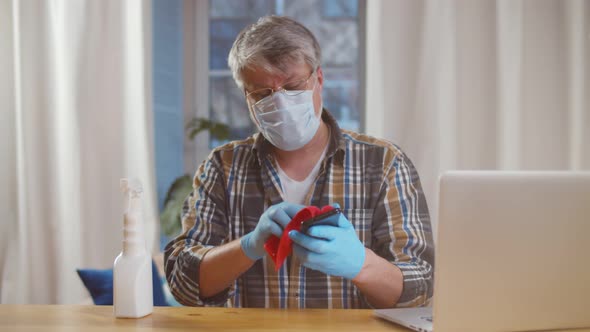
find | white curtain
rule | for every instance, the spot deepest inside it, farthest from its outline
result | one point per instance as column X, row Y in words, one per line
column 480, row 84
column 76, row 117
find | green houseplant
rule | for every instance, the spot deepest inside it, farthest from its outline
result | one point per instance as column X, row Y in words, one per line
column 170, row 216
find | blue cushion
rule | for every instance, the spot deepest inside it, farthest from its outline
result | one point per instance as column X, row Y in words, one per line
column 100, row 285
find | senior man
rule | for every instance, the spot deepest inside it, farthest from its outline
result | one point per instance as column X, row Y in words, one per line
column 380, row 254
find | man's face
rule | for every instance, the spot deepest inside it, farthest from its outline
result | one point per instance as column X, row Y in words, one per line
column 255, row 79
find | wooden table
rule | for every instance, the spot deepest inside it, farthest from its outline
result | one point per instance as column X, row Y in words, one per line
column 52, row 318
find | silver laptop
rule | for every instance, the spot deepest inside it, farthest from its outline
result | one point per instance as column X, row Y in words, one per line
column 512, row 254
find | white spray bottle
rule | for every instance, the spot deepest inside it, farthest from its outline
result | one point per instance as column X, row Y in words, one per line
column 132, row 273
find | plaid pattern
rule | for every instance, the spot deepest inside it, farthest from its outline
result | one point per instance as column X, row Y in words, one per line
column 373, row 181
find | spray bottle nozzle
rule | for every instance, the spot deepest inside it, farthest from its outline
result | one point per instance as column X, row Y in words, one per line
column 131, row 187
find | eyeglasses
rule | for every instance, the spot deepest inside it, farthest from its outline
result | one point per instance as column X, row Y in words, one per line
column 291, row 88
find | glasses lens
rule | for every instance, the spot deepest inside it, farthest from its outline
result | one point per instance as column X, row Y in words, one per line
column 258, row 95
column 264, row 105
column 297, row 84
column 291, row 88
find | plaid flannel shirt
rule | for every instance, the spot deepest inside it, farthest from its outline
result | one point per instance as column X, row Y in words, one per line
column 376, row 186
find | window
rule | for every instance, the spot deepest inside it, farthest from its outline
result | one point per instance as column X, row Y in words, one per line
column 167, row 60
column 335, row 23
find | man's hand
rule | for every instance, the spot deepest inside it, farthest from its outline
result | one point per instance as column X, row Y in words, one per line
column 272, row 221
column 332, row 250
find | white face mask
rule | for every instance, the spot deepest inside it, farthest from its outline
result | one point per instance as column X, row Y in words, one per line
column 291, row 123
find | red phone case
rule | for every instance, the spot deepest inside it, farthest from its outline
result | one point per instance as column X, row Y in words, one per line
column 279, row 249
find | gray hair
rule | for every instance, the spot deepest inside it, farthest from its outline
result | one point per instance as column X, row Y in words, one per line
column 273, row 43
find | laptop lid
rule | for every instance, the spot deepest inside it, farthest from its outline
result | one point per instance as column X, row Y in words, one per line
column 513, row 251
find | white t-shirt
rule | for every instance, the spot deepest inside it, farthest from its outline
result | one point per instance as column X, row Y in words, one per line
column 295, row 191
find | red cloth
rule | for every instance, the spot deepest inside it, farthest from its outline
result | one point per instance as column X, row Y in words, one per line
column 279, row 249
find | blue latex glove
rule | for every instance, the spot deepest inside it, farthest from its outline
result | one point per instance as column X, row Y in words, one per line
column 272, row 221
column 335, row 251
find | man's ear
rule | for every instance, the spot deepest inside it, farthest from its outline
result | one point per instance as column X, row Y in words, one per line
column 320, row 75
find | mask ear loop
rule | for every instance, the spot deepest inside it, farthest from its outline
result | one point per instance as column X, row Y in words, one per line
column 253, row 117
column 321, row 99
column 253, row 114
column 251, row 109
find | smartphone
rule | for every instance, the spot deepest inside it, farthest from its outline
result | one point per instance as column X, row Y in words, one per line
column 326, row 218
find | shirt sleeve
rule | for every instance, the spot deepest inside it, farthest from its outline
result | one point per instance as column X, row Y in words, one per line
column 403, row 233
column 204, row 226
